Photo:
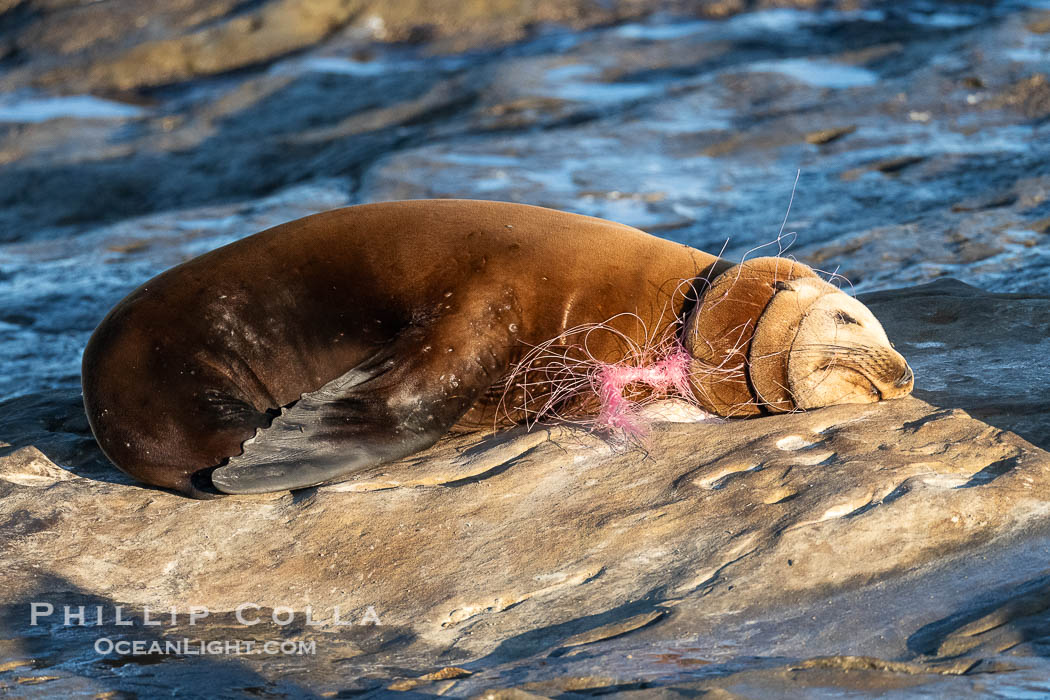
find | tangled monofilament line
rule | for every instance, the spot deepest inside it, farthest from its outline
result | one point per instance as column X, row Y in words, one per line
column 565, row 381
column 665, row 377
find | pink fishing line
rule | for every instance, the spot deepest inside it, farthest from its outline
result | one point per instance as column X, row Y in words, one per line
column 668, row 375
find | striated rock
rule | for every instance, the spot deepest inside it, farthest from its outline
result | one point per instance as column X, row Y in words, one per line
column 29, row 466
column 483, row 552
column 1030, row 96
column 825, row 136
column 134, row 44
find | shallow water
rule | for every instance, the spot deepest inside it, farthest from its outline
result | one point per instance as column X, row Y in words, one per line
column 817, row 73
column 53, row 296
column 31, row 109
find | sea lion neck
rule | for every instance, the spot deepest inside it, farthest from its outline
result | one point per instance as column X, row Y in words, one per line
column 698, row 284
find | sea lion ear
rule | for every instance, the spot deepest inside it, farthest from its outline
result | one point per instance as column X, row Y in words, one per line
column 782, row 286
column 719, row 333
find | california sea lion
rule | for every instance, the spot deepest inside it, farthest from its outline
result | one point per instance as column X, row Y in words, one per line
column 357, row 336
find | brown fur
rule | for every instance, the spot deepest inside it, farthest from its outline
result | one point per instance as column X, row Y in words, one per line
column 425, row 305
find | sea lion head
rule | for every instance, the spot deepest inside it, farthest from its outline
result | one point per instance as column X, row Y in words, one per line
column 770, row 335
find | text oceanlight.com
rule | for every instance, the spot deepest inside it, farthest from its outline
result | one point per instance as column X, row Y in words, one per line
column 192, row 647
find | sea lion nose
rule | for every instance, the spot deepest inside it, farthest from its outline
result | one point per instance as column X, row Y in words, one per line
column 905, row 379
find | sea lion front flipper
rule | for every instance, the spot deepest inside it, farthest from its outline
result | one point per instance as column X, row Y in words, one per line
column 398, row 402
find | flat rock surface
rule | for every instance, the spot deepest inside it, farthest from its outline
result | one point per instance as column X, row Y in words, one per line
column 723, row 555
column 984, row 353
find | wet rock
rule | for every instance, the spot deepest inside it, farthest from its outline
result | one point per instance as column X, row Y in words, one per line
column 1030, row 96
column 891, row 166
column 200, row 39
column 275, row 29
column 823, row 136
column 979, row 352
column 1040, row 25
column 989, row 201
column 445, row 674
column 1015, row 623
column 133, row 45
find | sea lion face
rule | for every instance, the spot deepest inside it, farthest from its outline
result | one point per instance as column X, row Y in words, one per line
column 840, row 353
column 770, row 335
